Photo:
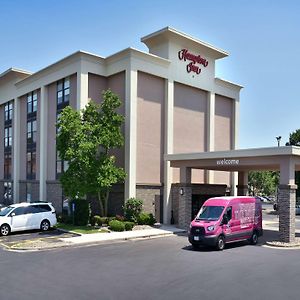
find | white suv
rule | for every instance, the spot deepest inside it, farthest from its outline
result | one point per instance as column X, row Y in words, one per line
column 26, row 216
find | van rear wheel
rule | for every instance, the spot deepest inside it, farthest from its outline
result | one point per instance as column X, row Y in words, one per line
column 254, row 238
column 45, row 225
column 220, row 243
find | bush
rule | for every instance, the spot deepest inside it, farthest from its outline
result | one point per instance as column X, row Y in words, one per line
column 104, row 220
column 132, row 208
column 81, row 213
column 110, row 219
column 116, row 225
column 120, row 218
column 97, row 220
column 146, row 219
column 128, row 226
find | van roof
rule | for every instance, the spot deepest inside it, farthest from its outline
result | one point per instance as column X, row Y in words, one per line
column 28, row 203
column 224, row 200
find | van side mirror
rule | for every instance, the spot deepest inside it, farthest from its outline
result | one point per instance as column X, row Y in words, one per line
column 12, row 214
column 225, row 219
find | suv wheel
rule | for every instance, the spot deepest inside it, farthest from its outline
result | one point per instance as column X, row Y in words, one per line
column 5, row 230
column 45, row 225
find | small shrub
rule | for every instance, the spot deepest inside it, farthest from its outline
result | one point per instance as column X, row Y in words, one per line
column 59, row 218
column 120, row 218
column 128, row 226
column 104, row 220
column 132, row 208
column 116, row 225
column 97, row 220
column 110, row 219
column 146, row 219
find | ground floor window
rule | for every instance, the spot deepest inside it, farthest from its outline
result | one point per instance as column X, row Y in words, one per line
column 7, row 195
column 28, row 192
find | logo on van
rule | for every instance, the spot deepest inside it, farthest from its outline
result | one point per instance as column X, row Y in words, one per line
column 225, row 161
column 185, row 55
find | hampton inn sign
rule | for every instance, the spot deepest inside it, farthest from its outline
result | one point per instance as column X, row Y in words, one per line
column 185, row 55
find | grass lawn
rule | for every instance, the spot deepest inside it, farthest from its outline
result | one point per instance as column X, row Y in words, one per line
column 80, row 229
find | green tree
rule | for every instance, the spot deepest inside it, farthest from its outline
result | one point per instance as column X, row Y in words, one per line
column 85, row 139
column 294, row 140
column 263, row 182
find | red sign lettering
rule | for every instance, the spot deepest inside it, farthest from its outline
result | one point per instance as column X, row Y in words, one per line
column 185, row 55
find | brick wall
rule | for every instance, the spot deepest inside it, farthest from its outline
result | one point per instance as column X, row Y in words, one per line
column 194, row 189
column 54, row 194
column 287, row 207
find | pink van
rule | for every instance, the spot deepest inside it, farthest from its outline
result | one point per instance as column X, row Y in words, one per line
column 224, row 220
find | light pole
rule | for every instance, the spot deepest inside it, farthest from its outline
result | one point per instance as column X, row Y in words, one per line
column 278, row 138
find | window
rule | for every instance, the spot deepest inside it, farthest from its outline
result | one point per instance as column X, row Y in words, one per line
column 7, row 195
column 31, row 164
column 7, row 165
column 8, row 136
column 63, row 98
column 20, row 211
column 28, row 192
column 63, row 92
column 32, row 102
column 31, row 131
column 44, row 207
column 229, row 213
column 8, row 111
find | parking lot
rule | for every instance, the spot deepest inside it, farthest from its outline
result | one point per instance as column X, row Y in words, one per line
column 52, row 239
column 51, row 236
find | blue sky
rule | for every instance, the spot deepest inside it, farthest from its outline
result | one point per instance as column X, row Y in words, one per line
column 262, row 37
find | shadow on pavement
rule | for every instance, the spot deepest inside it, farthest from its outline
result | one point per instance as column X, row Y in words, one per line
column 268, row 236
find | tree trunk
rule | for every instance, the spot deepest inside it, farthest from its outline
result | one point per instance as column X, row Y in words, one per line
column 106, row 203
column 102, row 213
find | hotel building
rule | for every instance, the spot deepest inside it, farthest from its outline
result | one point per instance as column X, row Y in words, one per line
column 172, row 103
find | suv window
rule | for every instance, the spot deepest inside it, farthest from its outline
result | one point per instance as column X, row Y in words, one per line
column 44, row 207
column 20, row 211
column 32, row 209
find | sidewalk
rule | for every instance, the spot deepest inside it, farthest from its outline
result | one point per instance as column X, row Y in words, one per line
column 55, row 242
column 164, row 230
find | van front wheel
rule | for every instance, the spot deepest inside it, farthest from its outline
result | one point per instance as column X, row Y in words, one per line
column 221, row 243
column 5, row 230
column 254, row 238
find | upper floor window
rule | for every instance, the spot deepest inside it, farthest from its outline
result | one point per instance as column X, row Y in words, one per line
column 8, row 111
column 31, row 131
column 31, row 165
column 32, row 102
column 7, row 165
column 63, row 91
column 8, row 136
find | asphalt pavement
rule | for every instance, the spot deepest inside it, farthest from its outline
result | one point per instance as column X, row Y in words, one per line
column 163, row 268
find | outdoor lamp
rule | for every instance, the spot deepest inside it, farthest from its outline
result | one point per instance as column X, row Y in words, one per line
column 181, row 191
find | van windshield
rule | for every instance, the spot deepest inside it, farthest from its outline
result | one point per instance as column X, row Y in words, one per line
column 4, row 211
column 210, row 213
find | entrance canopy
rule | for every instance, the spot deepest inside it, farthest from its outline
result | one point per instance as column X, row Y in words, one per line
column 284, row 159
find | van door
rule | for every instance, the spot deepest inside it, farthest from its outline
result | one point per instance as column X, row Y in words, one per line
column 33, row 217
column 227, row 228
column 19, row 219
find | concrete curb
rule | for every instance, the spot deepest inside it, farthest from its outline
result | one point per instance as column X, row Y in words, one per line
column 86, row 240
